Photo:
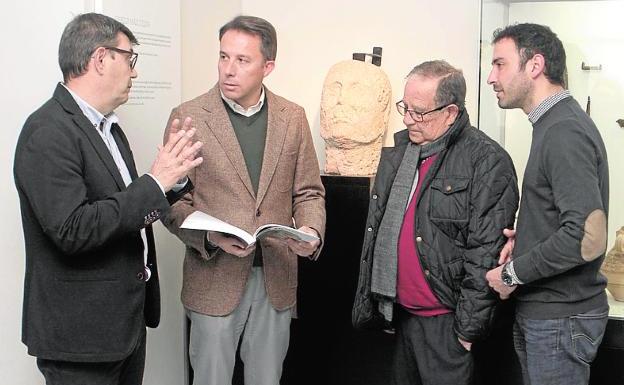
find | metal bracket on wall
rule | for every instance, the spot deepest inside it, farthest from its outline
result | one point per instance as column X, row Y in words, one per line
column 587, row 67
column 376, row 56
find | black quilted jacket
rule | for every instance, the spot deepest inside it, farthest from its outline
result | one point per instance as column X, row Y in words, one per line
column 468, row 197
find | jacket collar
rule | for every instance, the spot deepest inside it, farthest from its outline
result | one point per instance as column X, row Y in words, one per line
column 219, row 123
column 67, row 102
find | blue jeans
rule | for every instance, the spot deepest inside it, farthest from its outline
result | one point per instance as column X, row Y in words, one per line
column 559, row 351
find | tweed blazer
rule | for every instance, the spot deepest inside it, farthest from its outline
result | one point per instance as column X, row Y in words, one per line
column 289, row 189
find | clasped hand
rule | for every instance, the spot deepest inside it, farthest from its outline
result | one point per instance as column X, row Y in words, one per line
column 494, row 276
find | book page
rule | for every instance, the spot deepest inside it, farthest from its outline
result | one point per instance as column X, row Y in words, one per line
column 202, row 221
column 280, row 231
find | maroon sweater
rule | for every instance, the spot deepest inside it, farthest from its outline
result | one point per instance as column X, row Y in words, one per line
column 413, row 291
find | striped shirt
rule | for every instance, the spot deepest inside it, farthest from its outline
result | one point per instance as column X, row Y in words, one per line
column 103, row 124
column 242, row 110
column 547, row 104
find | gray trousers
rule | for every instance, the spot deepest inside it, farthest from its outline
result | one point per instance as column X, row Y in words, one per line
column 265, row 336
column 428, row 352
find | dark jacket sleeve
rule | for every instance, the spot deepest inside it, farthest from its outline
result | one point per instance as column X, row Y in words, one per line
column 494, row 201
column 79, row 212
column 308, row 196
column 365, row 313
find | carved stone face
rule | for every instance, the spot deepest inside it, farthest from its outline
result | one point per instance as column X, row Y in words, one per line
column 355, row 104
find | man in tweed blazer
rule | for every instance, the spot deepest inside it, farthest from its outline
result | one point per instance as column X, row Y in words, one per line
column 259, row 167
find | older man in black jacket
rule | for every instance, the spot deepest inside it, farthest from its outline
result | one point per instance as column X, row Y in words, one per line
column 442, row 196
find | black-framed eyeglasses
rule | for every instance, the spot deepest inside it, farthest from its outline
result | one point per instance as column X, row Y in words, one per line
column 415, row 115
column 132, row 59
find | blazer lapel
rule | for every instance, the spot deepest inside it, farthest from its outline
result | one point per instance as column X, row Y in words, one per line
column 124, row 149
column 69, row 104
column 276, row 134
column 220, row 125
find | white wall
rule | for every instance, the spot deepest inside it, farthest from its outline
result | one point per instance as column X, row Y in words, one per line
column 201, row 21
column 30, row 33
column 312, row 36
column 495, row 13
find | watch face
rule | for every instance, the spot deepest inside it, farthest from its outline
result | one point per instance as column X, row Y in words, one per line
column 506, row 278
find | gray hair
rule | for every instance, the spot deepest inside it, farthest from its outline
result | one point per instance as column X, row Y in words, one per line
column 258, row 27
column 452, row 85
column 83, row 35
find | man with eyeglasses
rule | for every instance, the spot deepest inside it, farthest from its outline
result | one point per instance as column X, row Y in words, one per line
column 442, row 196
column 91, row 284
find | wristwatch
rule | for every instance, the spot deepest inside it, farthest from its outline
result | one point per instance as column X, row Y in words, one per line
column 209, row 246
column 507, row 277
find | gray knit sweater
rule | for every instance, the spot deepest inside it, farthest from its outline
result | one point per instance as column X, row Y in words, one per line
column 561, row 229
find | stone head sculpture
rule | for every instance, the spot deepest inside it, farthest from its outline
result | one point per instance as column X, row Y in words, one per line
column 355, row 107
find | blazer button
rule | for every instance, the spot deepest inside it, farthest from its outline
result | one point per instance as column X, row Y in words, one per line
column 258, row 212
column 419, row 239
column 374, row 197
column 140, row 276
column 427, row 273
column 369, row 229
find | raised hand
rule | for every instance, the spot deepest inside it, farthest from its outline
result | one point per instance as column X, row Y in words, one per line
column 178, row 156
column 505, row 254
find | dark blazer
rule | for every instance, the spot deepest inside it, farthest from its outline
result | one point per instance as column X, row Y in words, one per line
column 85, row 298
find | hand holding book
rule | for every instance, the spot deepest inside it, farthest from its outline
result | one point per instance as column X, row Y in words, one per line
column 303, row 248
column 229, row 244
column 300, row 240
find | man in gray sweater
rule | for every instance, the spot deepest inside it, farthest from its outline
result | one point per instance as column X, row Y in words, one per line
column 561, row 235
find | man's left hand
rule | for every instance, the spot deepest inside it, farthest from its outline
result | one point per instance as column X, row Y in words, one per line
column 494, row 280
column 305, row 249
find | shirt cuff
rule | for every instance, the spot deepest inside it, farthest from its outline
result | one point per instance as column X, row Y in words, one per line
column 209, row 246
column 512, row 272
column 180, row 185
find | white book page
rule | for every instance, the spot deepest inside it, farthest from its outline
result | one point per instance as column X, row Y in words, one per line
column 201, row 221
column 280, row 231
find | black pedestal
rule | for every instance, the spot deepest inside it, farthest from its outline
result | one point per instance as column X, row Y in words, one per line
column 324, row 348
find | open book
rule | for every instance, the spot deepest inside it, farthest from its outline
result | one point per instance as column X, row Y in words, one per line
column 201, row 221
